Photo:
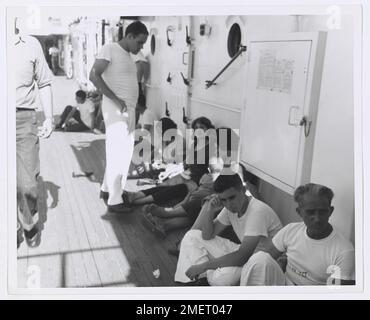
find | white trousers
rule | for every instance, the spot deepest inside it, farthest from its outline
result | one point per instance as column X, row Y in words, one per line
column 119, row 146
column 262, row 270
column 194, row 250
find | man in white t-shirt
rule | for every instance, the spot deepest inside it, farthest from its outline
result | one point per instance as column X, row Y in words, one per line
column 114, row 75
column 316, row 253
column 205, row 254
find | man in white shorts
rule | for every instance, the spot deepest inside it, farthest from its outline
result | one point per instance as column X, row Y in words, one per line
column 114, row 75
column 316, row 253
column 204, row 254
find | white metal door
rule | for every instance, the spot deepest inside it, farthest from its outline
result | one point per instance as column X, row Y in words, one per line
column 272, row 136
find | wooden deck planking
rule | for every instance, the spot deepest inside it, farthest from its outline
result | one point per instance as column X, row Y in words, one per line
column 92, row 236
column 82, row 245
column 130, row 224
column 116, row 257
column 82, row 263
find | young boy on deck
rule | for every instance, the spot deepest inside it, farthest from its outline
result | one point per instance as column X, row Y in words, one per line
column 204, row 254
column 317, row 254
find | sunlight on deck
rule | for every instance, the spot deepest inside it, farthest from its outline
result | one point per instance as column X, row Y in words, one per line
column 82, row 245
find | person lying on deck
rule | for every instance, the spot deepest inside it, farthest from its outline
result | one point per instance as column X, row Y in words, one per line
column 317, row 254
column 206, row 257
column 80, row 117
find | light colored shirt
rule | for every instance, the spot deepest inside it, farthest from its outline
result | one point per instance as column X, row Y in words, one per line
column 310, row 261
column 138, row 57
column 31, row 70
column 120, row 74
column 258, row 220
column 87, row 110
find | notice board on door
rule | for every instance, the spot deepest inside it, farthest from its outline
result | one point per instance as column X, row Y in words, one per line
column 279, row 117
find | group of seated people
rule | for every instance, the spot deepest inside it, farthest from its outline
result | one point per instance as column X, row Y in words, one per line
column 215, row 194
column 210, row 195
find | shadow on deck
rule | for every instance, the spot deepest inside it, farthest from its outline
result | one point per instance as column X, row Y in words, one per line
column 82, row 244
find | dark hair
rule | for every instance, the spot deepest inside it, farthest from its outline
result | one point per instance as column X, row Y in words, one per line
column 203, row 120
column 227, row 181
column 136, row 28
column 141, row 100
column 81, row 94
column 313, row 189
column 167, row 123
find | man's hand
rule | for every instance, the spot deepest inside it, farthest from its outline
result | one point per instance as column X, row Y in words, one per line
column 46, row 129
column 194, row 271
column 214, row 204
column 122, row 105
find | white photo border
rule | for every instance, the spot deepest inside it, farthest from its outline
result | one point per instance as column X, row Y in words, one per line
column 361, row 113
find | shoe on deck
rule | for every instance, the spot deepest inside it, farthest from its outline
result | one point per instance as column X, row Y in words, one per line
column 119, row 208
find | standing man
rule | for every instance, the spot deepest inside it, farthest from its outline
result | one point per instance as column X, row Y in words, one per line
column 114, row 74
column 31, row 70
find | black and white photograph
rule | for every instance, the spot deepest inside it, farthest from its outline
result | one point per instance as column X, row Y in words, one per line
column 169, row 150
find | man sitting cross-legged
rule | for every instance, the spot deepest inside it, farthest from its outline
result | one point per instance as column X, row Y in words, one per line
column 205, row 254
column 316, row 253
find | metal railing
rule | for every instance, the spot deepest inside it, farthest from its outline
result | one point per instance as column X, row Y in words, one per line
column 210, row 83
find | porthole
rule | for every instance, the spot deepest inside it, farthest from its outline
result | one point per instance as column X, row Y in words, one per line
column 234, row 40
column 152, row 44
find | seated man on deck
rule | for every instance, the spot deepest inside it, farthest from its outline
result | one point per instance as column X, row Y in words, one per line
column 204, row 254
column 80, row 117
column 317, row 254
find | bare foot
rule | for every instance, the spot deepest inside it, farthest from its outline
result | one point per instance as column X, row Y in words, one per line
column 157, row 211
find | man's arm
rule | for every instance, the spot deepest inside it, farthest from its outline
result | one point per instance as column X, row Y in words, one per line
column 234, row 259
column 96, row 78
column 205, row 221
column 269, row 247
column 46, row 97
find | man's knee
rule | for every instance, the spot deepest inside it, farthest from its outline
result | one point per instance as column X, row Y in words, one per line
column 192, row 235
column 257, row 270
column 260, row 258
column 229, row 276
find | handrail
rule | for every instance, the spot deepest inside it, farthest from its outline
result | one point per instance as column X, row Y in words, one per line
column 210, row 83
